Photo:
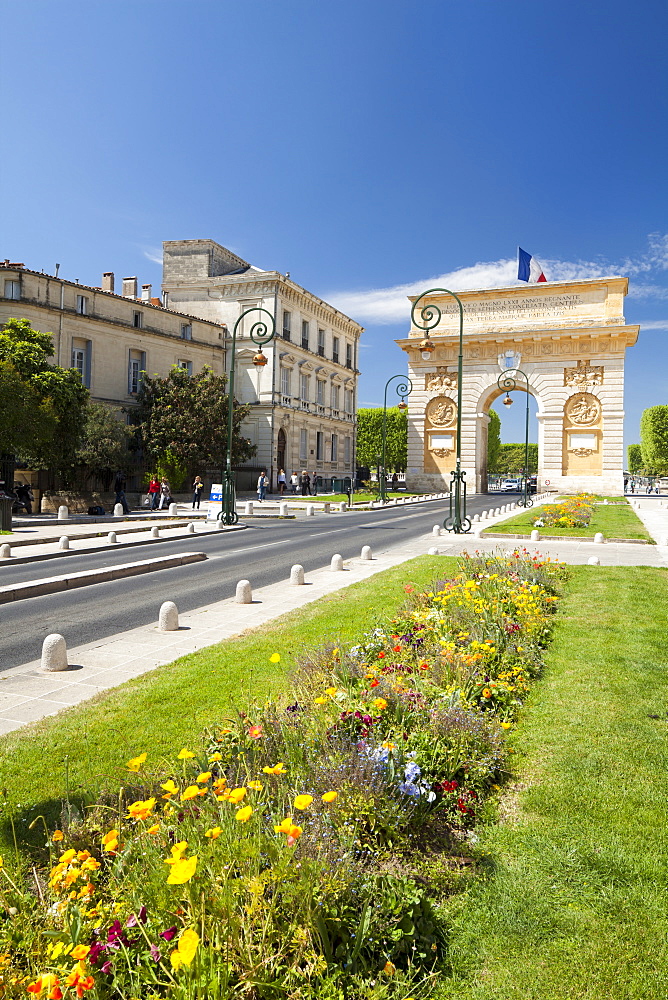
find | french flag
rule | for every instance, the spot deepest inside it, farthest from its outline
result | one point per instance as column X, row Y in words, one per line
column 529, row 269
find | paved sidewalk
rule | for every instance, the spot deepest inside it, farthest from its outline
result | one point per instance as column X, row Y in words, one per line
column 27, row 693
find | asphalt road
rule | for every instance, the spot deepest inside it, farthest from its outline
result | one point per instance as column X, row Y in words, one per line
column 263, row 554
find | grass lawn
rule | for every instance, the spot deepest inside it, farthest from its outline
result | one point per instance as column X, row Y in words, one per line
column 574, row 904
column 617, row 520
column 85, row 748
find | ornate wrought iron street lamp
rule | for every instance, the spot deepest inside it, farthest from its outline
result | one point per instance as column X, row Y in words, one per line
column 261, row 332
column 507, row 382
column 403, row 389
column 430, row 317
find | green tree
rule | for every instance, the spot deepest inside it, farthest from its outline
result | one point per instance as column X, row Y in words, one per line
column 183, row 421
column 634, row 452
column 370, row 438
column 654, row 439
column 493, row 441
column 41, row 405
column 104, row 443
column 511, row 459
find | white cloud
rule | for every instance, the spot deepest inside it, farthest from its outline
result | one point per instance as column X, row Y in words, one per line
column 390, row 305
column 654, row 324
column 153, row 254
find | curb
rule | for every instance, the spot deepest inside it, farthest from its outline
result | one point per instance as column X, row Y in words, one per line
column 56, row 584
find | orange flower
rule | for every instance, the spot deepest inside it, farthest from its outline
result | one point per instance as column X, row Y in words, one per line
column 57, row 836
column 184, row 754
column 255, row 732
column 236, row 795
column 303, row 801
column 170, row 789
column 136, row 762
column 374, row 683
column 396, row 649
column 329, row 796
column 202, row 778
column 141, row 810
column 192, row 792
column 110, row 842
column 279, row 768
column 182, row 871
column 379, row 703
column 244, row 814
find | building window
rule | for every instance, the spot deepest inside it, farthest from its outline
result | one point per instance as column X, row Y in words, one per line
column 82, row 305
column 303, row 445
column 335, row 447
column 320, row 392
column 319, row 445
column 186, row 331
column 287, row 317
column 285, row 381
column 137, row 320
column 12, row 289
column 136, row 365
column 335, row 397
column 303, row 386
column 187, row 366
column 349, row 400
column 335, row 350
column 346, row 451
column 81, row 359
column 321, row 343
column 305, row 334
column 349, row 355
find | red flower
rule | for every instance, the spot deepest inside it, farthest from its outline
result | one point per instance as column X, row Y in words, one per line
column 374, row 683
column 381, row 656
column 396, row 649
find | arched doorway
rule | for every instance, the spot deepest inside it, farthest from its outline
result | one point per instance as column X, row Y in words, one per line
column 516, row 415
column 281, row 448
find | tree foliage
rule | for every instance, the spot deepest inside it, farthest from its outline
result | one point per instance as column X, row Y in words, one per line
column 370, row 438
column 654, row 439
column 41, row 405
column 493, row 441
column 634, row 452
column 183, row 421
column 511, row 459
column 104, row 442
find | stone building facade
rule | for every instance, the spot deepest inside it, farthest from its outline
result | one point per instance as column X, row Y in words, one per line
column 568, row 338
column 111, row 339
column 304, row 400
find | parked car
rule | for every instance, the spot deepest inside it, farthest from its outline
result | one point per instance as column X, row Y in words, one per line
column 511, row 486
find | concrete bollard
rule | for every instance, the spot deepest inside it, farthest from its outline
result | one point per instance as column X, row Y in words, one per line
column 191, row 527
column 535, row 535
column 54, row 653
column 476, row 517
column 63, row 513
column 168, row 619
column 64, row 543
column 248, row 509
column 297, row 576
column 497, row 511
column 436, row 530
column 598, row 538
column 366, row 552
column 310, row 510
column 432, row 552
column 593, row 561
column 343, row 506
column 283, row 509
column 118, row 510
column 111, row 538
column 155, row 531
column 326, row 508
column 5, row 551
column 173, row 510
column 336, row 563
column 244, row 594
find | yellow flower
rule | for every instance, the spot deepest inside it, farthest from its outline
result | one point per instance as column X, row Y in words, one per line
column 303, row 801
column 379, row 703
column 170, row 788
column 256, row 786
column 184, row 953
column 236, row 795
column 244, row 814
column 202, row 778
column 185, row 754
column 192, row 792
column 219, row 783
column 321, row 700
column 275, row 658
column 182, row 871
column 329, row 796
column 109, row 841
column 80, row 951
column 214, row 757
column 57, row 836
column 292, row 831
column 284, row 826
column 506, row 725
column 279, row 768
column 486, row 693
column 141, row 810
column 178, row 850
column 389, row 968
column 136, row 762
column 151, row 829
column 214, row 832
column 331, row 691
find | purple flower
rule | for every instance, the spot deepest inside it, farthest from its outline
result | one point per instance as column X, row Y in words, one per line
column 106, row 968
column 131, row 921
column 95, row 951
column 155, row 953
column 168, row 934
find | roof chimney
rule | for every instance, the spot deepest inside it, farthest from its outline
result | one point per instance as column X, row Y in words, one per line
column 108, row 281
column 130, row 288
column 146, row 292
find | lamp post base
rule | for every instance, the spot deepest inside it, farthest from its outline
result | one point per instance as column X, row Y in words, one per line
column 457, row 521
column 228, row 513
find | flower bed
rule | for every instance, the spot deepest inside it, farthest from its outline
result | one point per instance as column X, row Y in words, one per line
column 574, row 512
column 285, row 853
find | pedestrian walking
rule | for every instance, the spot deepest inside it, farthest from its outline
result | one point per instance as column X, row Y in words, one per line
column 165, row 493
column 281, row 480
column 154, row 492
column 262, row 483
column 294, row 483
column 305, row 483
column 119, row 489
column 314, row 484
column 24, row 494
column 198, row 488
column 395, row 481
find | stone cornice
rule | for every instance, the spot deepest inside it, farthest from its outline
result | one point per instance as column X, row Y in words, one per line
column 612, row 331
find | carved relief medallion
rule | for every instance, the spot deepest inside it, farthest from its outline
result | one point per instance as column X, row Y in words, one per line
column 439, row 380
column 441, row 411
column 584, row 375
column 583, row 409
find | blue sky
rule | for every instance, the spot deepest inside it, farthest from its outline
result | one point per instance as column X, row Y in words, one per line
column 363, row 146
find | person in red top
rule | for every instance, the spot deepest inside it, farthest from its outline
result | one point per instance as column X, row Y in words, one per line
column 154, row 492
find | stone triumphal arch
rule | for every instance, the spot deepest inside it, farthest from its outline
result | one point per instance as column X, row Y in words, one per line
column 569, row 338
